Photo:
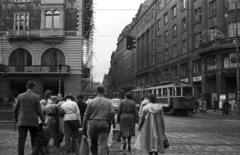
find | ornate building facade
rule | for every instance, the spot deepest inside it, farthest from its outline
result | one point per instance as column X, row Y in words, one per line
column 41, row 40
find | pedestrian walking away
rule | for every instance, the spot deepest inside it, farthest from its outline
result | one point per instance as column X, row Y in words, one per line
column 100, row 113
column 127, row 117
column 144, row 102
column 152, row 127
column 71, row 120
column 82, row 106
column 26, row 113
column 215, row 104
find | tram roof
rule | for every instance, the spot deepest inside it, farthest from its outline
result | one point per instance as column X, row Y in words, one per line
column 163, row 86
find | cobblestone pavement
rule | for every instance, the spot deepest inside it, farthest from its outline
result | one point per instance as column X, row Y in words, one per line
column 201, row 134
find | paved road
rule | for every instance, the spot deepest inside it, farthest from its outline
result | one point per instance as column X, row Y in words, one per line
column 203, row 134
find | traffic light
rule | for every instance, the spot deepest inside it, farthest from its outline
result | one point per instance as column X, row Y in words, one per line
column 130, row 42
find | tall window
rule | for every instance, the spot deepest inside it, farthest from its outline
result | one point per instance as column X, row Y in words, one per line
column 174, row 30
column 174, row 50
column 159, row 40
column 166, row 36
column 184, row 46
column 184, row 70
column 198, row 39
column 174, row 72
column 20, row 57
column 211, row 63
column 197, row 66
column 174, row 11
column 165, row 18
column 52, row 19
column 198, row 15
column 166, row 54
column 21, row 21
column 213, row 33
column 184, row 24
column 184, row 4
column 232, row 29
column 212, row 8
column 159, row 24
column 53, row 56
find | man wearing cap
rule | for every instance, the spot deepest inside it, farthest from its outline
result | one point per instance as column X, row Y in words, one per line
column 26, row 113
column 71, row 120
column 100, row 113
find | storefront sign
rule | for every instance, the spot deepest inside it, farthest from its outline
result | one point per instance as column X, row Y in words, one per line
column 185, row 80
column 197, row 78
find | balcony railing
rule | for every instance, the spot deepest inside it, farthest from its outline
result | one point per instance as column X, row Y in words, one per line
column 51, row 33
column 219, row 43
column 37, row 69
column 23, row 33
column 52, row 1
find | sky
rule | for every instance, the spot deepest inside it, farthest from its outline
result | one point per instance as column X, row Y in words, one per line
column 110, row 18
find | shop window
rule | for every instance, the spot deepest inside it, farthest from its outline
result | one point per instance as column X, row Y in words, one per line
column 21, row 21
column 20, row 57
column 198, row 15
column 166, row 18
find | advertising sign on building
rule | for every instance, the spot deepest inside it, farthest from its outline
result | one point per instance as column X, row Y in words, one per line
column 197, row 78
column 185, row 80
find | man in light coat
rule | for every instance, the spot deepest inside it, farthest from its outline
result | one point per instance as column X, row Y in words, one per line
column 26, row 113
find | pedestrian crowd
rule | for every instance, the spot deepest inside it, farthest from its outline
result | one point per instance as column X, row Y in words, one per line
column 60, row 118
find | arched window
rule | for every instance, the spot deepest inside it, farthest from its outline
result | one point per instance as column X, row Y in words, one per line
column 20, row 57
column 48, row 19
column 53, row 57
column 52, row 19
column 56, row 19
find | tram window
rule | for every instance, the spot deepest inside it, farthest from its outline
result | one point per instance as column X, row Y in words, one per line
column 174, row 92
column 150, row 91
column 170, row 91
column 155, row 92
column 159, row 92
column 164, row 91
column 178, row 91
column 187, row 91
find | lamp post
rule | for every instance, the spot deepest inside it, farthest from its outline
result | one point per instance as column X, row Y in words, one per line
column 59, row 84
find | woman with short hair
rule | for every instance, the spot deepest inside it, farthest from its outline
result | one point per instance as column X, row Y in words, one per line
column 127, row 117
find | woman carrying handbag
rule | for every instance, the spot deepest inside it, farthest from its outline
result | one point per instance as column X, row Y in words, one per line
column 151, row 137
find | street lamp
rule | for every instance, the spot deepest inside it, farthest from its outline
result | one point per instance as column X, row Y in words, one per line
column 59, row 84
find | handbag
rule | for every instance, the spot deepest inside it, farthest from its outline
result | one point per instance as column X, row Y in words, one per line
column 116, row 136
column 166, row 142
column 84, row 148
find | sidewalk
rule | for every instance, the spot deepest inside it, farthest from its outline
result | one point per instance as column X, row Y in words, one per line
column 218, row 112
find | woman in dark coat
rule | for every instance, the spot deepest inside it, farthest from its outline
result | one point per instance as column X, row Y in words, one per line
column 127, row 117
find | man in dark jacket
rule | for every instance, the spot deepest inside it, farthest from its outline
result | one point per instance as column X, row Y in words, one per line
column 26, row 113
column 82, row 106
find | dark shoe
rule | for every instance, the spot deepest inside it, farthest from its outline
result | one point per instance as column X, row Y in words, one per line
column 124, row 146
column 129, row 147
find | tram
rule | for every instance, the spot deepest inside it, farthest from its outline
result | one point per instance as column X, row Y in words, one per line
column 175, row 98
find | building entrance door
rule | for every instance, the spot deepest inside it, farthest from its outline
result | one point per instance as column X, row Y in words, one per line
column 54, row 87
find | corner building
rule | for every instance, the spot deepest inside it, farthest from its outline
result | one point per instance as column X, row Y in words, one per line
column 41, row 40
column 190, row 41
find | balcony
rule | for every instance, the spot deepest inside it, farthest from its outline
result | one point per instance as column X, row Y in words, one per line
column 52, row 1
column 217, row 44
column 52, row 35
column 36, row 69
column 23, row 34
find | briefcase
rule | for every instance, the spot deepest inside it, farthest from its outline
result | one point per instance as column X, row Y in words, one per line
column 116, row 135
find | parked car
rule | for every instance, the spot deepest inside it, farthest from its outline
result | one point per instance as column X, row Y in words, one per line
column 115, row 102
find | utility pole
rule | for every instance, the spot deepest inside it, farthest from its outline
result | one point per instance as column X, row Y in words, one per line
column 237, row 51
